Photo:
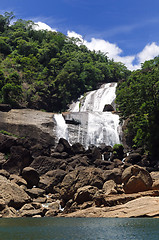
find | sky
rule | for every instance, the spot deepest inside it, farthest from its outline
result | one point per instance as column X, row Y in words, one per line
column 124, row 29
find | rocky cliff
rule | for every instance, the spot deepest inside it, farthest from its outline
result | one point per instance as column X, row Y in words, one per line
column 29, row 123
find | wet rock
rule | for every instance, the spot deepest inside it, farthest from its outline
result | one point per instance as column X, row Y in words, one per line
column 108, row 108
column 93, row 153
column 67, row 147
column 136, row 179
column 31, row 176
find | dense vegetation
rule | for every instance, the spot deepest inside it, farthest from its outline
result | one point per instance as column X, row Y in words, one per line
column 47, row 70
column 138, row 99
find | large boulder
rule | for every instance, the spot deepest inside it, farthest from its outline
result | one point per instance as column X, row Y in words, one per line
column 19, row 158
column 44, row 164
column 6, row 142
column 13, row 195
column 51, row 179
column 136, row 179
column 31, row 176
column 81, row 177
column 85, row 194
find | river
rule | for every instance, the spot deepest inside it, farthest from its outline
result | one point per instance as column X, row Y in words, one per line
column 79, row 229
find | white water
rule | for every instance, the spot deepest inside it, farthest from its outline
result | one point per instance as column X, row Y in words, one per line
column 95, row 126
column 61, row 127
column 95, row 101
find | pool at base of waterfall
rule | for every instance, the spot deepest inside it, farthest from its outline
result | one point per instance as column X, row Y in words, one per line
column 79, row 229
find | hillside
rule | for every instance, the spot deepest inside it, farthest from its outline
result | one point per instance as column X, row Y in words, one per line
column 47, row 70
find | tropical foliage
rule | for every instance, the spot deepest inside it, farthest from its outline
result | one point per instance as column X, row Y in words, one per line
column 47, row 70
column 138, row 99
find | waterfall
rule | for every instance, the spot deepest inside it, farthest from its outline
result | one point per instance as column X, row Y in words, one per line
column 87, row 123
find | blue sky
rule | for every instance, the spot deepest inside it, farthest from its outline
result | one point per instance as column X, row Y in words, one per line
column 125, row 29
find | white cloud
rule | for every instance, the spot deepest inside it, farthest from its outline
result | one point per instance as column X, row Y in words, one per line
column 114, row 52
column 43, row 26
column 149, row 52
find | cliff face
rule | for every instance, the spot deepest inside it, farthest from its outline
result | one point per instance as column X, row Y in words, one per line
column 29, row 123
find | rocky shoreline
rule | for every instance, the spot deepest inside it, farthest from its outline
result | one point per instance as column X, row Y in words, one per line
column 39, row 179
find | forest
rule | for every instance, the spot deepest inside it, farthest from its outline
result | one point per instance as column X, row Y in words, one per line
column 138, row 101
column 46, row 70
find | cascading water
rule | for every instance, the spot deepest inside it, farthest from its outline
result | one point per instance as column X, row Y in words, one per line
column 87, row 123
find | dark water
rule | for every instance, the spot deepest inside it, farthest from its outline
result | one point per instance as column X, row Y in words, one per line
column 79, row 228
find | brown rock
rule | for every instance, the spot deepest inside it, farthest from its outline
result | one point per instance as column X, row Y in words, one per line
column 19, row 158
column 114, row 175
column 44, row 164
column 109, row 187
column 30, row 210
column 6, row 142
column 81, row 177
column 51, row 179
column 31, row 176
column 10, row 212
column 18, row 180
column 141, row 207
column 4, row 173
column 12, row 194
column 85, row 194
column 35, row 192
column 136, row 179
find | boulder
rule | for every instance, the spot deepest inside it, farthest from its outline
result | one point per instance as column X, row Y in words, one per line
column 85, row 194
column 12, row 194
column 114, row 175
column 78, row 148
column 66, row 145
column 19, row 158
column 30, row 210
column 51, row 179
column 44, row 164
column 109, row 187
column 6, row 142
column 35, row 192
column 136, row 179
column 93, row 153
column 81, row 177
column 18, row 180
column 133, row 158
column 10, row 212
column 31, row 176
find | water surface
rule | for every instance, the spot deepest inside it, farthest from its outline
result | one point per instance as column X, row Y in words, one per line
column 79, row 228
